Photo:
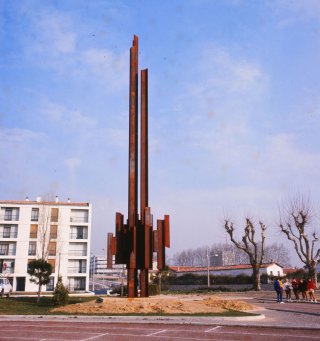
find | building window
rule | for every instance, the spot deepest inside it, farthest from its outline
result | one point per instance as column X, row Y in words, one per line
column 52, row 262
column 6, row 266
column 8, row 214
column 53, row 231
column 50, row 285
column 79, row 216
column 77, row 249
column 33, row 231
column 32, row 248
column 52, row 248
column 4, row 249
column 54, row 215
column 35, row 214
column 11, row 214
column 78, row 232
column 8, row 231
column 79, row 284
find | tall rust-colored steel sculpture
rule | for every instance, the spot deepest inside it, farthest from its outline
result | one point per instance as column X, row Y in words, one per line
column 135, row 242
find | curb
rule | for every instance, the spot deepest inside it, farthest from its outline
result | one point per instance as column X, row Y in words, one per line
column 136, row 319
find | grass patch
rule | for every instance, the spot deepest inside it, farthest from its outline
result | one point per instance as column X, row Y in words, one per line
column 29, row 306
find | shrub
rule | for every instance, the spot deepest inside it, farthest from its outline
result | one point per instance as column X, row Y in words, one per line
column 61, row 293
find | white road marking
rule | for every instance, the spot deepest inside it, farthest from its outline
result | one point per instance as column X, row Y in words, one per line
column 158, row 332
column 211, row 329
column 95, row 337
column 162, row 336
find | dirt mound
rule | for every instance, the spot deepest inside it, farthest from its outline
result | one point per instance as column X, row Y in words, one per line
column 161, row 305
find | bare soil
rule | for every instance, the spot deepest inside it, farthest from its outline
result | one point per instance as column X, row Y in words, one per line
column 184, row 304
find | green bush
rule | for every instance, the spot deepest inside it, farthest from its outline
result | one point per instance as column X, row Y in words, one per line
column 60, row 294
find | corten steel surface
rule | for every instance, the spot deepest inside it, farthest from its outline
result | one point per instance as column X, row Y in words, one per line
column 136, row 241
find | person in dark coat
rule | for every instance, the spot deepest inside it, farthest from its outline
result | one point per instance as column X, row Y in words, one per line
column 278, row 287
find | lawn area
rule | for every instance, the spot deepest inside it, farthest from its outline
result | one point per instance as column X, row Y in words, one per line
column 29, row 306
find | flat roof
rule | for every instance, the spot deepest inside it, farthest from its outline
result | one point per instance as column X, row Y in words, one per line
column 50, row 203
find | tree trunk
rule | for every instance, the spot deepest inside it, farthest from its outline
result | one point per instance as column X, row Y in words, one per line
column 256, row 278
column 39, row 292
column 313, row 272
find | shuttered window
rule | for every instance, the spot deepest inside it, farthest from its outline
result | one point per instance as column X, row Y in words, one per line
column 54, row 215
column 53, row 231
column 52, row 262
column 33, row 231
column 52, row 248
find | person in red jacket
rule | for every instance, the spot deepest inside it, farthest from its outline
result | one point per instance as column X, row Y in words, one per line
column 311, row 286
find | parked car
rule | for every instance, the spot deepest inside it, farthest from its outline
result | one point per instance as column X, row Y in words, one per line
column 5, row 287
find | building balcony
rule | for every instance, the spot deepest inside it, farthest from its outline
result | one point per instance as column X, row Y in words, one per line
column 77, row 253
column 8, row 234
column 9, row 217
column 7, row 252
column 79, row 220
column 77, row 235
column 77, row 270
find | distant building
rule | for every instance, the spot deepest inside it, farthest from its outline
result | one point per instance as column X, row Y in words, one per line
column 58, row 231
column 271, row 269
column 98, row 268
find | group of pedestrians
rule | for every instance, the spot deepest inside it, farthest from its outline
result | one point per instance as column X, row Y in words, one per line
column 297, row 286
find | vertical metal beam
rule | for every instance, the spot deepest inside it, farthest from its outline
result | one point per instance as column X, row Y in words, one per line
column 132, row 282
column 133, row 135
column 109, row 251
column 144, row 145
column 144, row 282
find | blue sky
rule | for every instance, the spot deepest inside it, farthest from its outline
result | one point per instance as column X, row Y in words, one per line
column 234, row 107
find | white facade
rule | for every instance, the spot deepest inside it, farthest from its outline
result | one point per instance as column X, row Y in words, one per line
column 60, row 232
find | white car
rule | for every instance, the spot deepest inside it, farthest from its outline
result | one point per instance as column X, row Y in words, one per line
column 5, row 287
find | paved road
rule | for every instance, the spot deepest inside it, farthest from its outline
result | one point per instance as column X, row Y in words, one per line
column 289, row 321
column 85, row 331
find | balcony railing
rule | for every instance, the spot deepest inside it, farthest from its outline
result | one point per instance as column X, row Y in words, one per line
column 77, row 270
column 77, row 235
column 7, row 252
column 77, row 252
column 7, row 270
column 78, row 219
column 8, row 234
column 33, row 235
column 31, row 253
column 9, row 217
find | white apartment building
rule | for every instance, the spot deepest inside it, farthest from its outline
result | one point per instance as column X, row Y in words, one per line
column 57, row 231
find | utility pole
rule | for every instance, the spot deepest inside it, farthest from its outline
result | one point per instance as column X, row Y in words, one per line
column 93, row 271
column 208, row 264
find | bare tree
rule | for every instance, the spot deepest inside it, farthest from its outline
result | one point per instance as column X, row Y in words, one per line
column 295, row 223
column 47, row 231
column 277, row 253
column 249, row 245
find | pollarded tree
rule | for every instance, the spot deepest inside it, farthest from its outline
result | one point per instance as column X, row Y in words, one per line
column 251, row 246
column 295, row 223
column 39, row 271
